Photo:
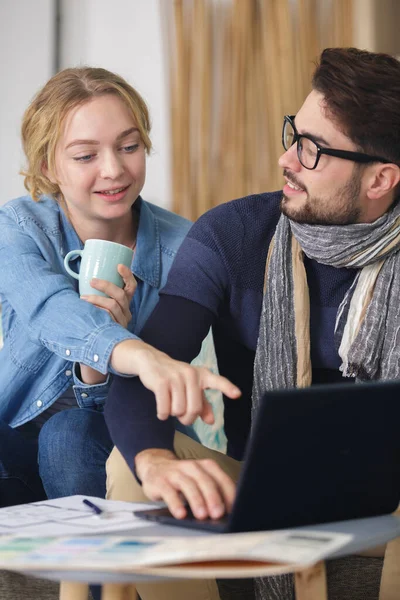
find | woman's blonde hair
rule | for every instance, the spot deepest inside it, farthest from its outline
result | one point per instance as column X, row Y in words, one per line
column 45, row 116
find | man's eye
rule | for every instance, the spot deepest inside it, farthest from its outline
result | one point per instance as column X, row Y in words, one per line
column 308, row 147
column 312, row 151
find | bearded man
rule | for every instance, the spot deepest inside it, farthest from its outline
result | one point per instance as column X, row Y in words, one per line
column 327, row 250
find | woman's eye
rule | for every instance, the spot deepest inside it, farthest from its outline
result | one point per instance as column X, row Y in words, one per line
column 85, row 158
column 130, row 148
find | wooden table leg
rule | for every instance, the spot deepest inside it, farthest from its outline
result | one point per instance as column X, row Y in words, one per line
column 390, row 579
column 72, row 590
column 118, row 591
column 310, row 584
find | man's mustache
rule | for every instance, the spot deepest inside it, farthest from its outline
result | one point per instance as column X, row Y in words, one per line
column 292, row 179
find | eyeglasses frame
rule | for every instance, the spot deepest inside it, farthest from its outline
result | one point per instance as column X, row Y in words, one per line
column 359, row 157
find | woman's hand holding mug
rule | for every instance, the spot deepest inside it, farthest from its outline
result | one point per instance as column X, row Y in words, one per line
column 105, row 277
column 106, row 281
column 117, row 302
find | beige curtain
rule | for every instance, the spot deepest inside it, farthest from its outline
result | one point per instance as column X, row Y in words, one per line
column 236, row 67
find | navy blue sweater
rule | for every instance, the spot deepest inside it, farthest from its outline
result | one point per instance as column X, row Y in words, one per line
column 217, row 280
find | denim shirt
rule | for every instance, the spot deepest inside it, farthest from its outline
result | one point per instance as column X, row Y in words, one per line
column 47, row 328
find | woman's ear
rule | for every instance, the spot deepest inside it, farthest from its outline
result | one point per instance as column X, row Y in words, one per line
column 47, row 173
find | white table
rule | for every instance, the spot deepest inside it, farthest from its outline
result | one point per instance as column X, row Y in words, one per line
column 310, row 582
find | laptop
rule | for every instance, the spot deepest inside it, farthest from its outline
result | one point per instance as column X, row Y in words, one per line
column 316, row 455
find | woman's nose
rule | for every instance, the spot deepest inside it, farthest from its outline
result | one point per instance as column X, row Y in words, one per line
column 111, row 166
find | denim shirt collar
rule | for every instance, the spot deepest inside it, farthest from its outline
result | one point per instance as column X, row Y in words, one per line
column 70, row 239
column 147, row 258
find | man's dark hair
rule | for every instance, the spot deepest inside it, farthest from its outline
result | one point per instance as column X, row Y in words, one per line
column 362, row 96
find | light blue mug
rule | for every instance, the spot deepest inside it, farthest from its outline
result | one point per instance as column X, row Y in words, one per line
column 100, row 259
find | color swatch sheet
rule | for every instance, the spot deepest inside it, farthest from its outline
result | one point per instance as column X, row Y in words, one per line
column 125, row 553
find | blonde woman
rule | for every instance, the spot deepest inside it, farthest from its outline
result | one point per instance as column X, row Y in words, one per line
column 86, row 137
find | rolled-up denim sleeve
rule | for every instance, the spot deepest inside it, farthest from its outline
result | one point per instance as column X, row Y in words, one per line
column 88, row 395
column 45, row 302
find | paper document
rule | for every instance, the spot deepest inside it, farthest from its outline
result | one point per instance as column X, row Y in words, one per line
column 125, row 553
column 70, row 516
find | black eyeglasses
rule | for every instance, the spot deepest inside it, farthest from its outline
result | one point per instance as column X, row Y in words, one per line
column 309, row 152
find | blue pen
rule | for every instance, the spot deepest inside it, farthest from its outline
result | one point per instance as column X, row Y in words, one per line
column 96, row 509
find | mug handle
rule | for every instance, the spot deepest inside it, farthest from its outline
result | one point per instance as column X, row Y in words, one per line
column 68, row 257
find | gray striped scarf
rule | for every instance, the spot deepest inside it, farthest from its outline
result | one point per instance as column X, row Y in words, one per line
column 368, row 319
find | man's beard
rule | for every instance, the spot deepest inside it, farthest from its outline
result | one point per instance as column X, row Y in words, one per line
column 342, row 208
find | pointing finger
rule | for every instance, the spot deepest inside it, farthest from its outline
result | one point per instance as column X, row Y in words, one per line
column 217, row 382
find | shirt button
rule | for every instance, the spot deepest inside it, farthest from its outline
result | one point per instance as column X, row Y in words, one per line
column 68, row 373
column 84, row 395
column 96, row 358
column 39, row 403
column 68, row 352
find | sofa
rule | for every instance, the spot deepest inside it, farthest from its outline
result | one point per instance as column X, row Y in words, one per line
column 14, row 586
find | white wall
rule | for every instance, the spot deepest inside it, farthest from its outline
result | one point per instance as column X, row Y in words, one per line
column 121, row 35
column 125, row 36
column 26, row 61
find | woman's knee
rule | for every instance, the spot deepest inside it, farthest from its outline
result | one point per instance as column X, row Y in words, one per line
column 73, row 448
column 73, row 435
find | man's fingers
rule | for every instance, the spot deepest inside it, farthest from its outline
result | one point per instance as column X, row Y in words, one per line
column 226, row 485
column 202, row 484
column 207, row 500
column 165, row 491
column 173, row 499
column 191, row 490
column 189, row 481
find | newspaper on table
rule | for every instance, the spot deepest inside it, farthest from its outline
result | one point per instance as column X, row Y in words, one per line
column 65, row 534
column 118, row 553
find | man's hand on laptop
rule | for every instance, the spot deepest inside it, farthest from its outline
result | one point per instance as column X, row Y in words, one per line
column 202, row 484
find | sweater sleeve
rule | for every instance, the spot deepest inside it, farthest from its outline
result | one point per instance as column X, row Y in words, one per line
column 193, row 298
column 177, row 326
column 206, row 264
